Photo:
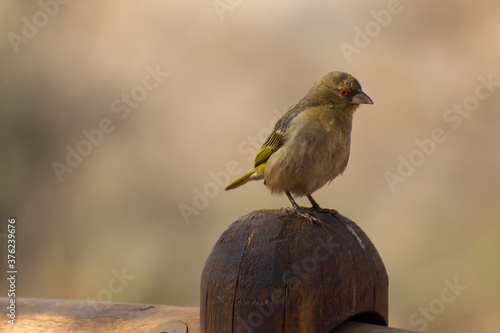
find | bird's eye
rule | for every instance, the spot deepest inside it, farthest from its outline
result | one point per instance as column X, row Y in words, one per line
column 343, row 92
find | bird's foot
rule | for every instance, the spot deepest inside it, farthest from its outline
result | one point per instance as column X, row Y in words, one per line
column 287, row 209
column 311, row 217
column 332, row 212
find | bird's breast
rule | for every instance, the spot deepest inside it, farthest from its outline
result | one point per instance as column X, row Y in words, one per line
column 316, row 151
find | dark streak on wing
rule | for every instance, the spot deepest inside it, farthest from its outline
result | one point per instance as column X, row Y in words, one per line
column 278, row 136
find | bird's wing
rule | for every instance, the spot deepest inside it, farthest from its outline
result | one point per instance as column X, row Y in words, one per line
column 273, row 143
column 277, row 138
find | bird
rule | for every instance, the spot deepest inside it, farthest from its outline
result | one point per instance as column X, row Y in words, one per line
column 310, row 143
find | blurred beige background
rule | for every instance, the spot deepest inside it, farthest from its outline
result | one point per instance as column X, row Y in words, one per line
column 232, row 68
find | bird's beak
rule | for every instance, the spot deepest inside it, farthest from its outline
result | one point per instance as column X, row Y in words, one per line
column 361, row 98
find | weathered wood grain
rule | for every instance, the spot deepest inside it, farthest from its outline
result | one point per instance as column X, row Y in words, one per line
column 50, row 315
column 273, row 271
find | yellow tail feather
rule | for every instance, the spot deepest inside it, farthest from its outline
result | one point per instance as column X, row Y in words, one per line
column 255, row 174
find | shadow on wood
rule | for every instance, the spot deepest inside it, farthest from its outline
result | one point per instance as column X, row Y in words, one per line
column 273, row 271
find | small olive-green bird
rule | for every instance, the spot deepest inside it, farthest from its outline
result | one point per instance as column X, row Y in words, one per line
column 310, row 143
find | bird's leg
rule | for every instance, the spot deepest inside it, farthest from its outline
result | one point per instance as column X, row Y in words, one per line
column 316, row 206
column 299, row 210
column 313, row 202
column 294, row 204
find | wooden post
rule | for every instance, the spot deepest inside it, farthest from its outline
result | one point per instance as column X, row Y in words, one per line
column 273, row 271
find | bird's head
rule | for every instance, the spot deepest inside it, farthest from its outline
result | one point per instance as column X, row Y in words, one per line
column 339, row 89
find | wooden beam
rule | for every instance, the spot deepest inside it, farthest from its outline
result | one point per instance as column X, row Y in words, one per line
column 52, row 315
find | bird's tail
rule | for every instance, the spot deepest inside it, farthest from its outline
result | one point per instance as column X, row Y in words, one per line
column 255, row 174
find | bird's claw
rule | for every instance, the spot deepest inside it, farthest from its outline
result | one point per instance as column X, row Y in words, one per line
column 311, row 217
column 287, row 209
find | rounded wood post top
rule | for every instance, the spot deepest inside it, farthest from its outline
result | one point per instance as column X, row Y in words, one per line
column 273, row 271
